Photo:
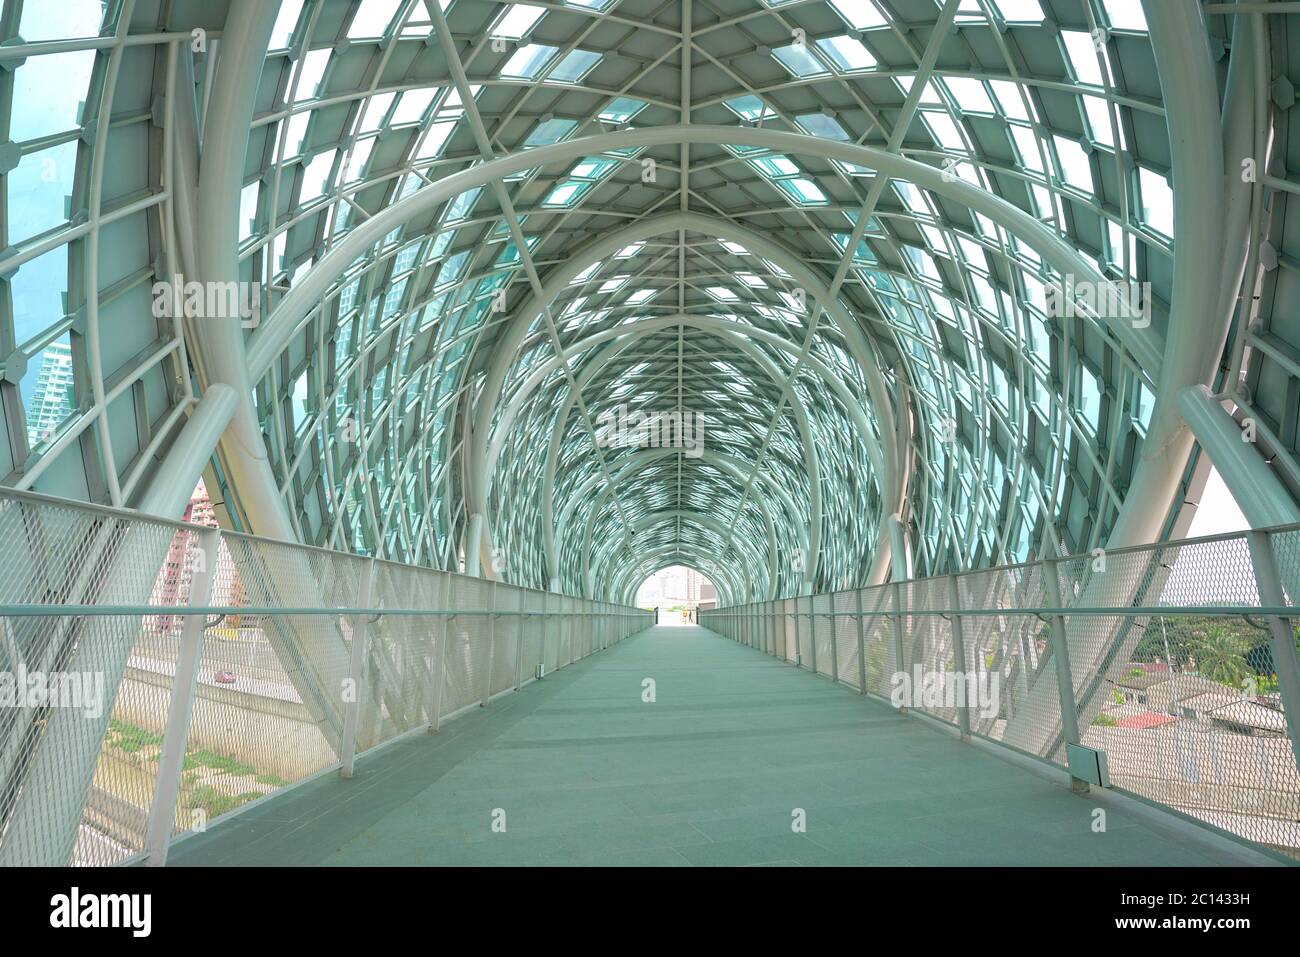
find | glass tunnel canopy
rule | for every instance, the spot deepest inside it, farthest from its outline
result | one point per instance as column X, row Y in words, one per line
column 572, row 292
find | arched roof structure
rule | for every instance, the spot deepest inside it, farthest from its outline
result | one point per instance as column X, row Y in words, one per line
column 833, row 229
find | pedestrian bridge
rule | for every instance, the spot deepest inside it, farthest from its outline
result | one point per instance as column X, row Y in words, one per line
column 739, row 759
column 425, row 717
column 360, row 360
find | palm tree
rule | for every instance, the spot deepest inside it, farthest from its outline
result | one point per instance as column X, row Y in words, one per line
column 1221, row 656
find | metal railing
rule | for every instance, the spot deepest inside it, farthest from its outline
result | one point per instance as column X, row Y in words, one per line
column 155, row 676
column 1180, row 663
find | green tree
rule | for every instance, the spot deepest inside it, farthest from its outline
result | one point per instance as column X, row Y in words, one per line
column 1221, row 656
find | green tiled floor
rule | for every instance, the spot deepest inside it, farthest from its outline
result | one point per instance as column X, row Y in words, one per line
column 710, row 773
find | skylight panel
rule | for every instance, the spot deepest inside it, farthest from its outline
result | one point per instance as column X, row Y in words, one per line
column 376, row 109
column 846, row 53
column 640, row 296
column 973, row 252
column 911, row 197
column 357, row 161
column 1122, row 14
column 574, row 67
column 862, row 254
column 970, row 11
column 1157, row 201
column 734, row 248
column 1075, row 167
column 819, row 124
column 434, row 139
column 310, row 73
column 412, row 106
column 629, row 251
column 1009, row 98
column 722, row 293
column 519, row 18
column 462, row 204
column 452, row 106
column 929, row 95
column 969, row 94
column 799, row 61
column 70, row 19
column 621, row 110
column 944, row 130
column 749, row 108
column 611, row 284
column 1098, row 112
column 860, row 14
column 285, row 22
column 775, row 166
column 372, row 19
column 550, row 131
column 1027, row 146
column 934, row 237
column 528, row 61
column 316, row 177
column 566, row 193
column 295, row 134
column 247, row 210
column 1082, row 54
column 589, row 4
column 803, row 191
column 1022, row 11
column 585, row 274
column 753, row 280
column 593, row 167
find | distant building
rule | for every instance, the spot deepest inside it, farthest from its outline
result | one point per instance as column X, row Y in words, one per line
column 51, row 400
column 172, row 584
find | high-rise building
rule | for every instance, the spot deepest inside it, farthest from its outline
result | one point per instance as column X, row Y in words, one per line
column 51, row 400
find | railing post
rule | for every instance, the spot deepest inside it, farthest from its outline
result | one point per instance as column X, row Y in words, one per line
column 862, row 645
column 958, row 639
column 812, row 633
column 569, row 627
column 356, row 674
column 492, row 643
column 1064, row 674
column 900, row 666
column 167, row 784
column 1280, row 632
column 835, row 649
column 440, row 678
column 519, row 641
column 546, row 627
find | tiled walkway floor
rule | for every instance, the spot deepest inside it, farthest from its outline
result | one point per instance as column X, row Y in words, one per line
column 712, row 772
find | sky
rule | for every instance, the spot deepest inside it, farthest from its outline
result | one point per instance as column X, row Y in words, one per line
column 1218, row 511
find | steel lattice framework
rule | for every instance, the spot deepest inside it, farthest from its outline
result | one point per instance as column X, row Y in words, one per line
column 831, row 227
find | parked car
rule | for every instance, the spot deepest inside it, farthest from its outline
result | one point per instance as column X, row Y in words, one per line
column 224, row 677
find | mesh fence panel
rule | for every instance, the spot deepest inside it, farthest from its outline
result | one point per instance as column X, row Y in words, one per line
column 1173, row 665
column 822, row 629
column 843, row 604
column 79, row 768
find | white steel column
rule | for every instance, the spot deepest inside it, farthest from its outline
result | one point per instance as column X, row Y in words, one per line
column 167, row 784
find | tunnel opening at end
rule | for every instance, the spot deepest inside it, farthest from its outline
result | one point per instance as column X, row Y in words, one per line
column 676, row 595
